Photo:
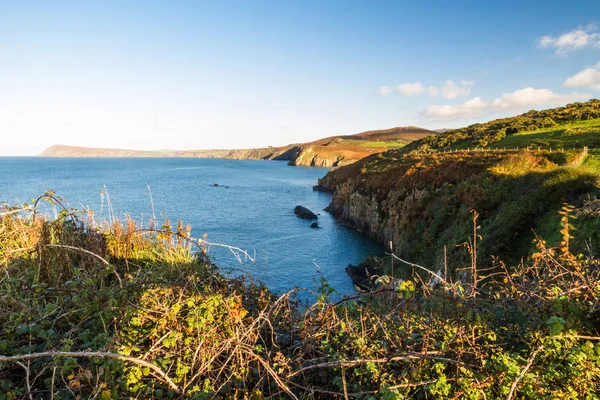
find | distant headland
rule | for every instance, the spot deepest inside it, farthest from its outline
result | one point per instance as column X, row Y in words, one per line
column 328, row 152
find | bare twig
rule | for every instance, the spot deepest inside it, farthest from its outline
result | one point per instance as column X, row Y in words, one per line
column 523, row 372
column 366, row 392
column 236, row 251
column 398, row 357
column 90, row 354
column 586, row 337
column 27, row 382
column 419, row 266
column 361, row 294
column 16, row 211
column 273, row 374
column 79, row 249
column 50, row 196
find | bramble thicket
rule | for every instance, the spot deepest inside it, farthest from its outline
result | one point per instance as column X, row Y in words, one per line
column 116, row 310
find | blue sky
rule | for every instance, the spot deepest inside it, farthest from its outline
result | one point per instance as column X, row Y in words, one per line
column 231, row 74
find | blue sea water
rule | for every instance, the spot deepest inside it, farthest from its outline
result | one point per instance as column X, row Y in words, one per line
column 255, row 213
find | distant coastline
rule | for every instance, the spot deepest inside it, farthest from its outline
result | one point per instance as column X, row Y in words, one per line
column 328, row 152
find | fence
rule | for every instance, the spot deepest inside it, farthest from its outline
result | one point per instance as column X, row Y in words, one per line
column 583, row 154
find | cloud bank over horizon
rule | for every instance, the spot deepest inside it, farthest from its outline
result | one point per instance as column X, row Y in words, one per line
column 522, row 99
column 448, row 90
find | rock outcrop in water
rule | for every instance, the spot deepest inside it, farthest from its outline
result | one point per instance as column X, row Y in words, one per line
column 304, row 213
column 366, row 273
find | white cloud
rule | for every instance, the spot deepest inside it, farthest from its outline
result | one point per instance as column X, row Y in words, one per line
column 469, row 107
column 574, row 40
column 385, row 90
column 529, row 97
column 519, row 99
column 409, row 89
column 433, row 91
column 589, row 77
column 449, row 90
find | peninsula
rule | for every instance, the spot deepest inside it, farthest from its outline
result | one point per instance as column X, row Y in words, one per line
column 327, row 152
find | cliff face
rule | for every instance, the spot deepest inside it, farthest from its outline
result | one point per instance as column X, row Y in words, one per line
column 317, row 156
column 425, row 203
column 374, row 201
column 377, row 217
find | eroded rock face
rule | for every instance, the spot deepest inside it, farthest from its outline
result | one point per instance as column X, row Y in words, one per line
column 380, row 218
column 313, row 157
column 422, row 204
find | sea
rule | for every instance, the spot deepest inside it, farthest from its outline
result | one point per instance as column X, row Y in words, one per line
column 251, row 209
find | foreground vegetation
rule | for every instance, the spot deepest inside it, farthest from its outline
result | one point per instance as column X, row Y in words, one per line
column 114, row 311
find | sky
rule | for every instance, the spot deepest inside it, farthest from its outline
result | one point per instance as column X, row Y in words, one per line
column 238, row 74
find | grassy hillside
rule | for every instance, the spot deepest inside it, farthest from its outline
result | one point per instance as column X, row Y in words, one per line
column 421, row 197
column 116, row 311
column 574, row 125
column 343, row 150
column 423, row 203
column 566, row 135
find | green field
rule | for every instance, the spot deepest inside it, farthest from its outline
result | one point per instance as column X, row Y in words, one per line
column 572, row 135
column 572, row 126
column 389, row 144
column 593, row 159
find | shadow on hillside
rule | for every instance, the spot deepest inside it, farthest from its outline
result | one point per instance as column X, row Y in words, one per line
column 559, row 138
column 513, row 207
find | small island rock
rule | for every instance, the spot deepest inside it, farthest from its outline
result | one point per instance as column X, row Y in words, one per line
column 364, row 274
column 314, row 225
column 304, row 213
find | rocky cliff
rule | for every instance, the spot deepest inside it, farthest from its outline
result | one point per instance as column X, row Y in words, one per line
column 425, row 203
